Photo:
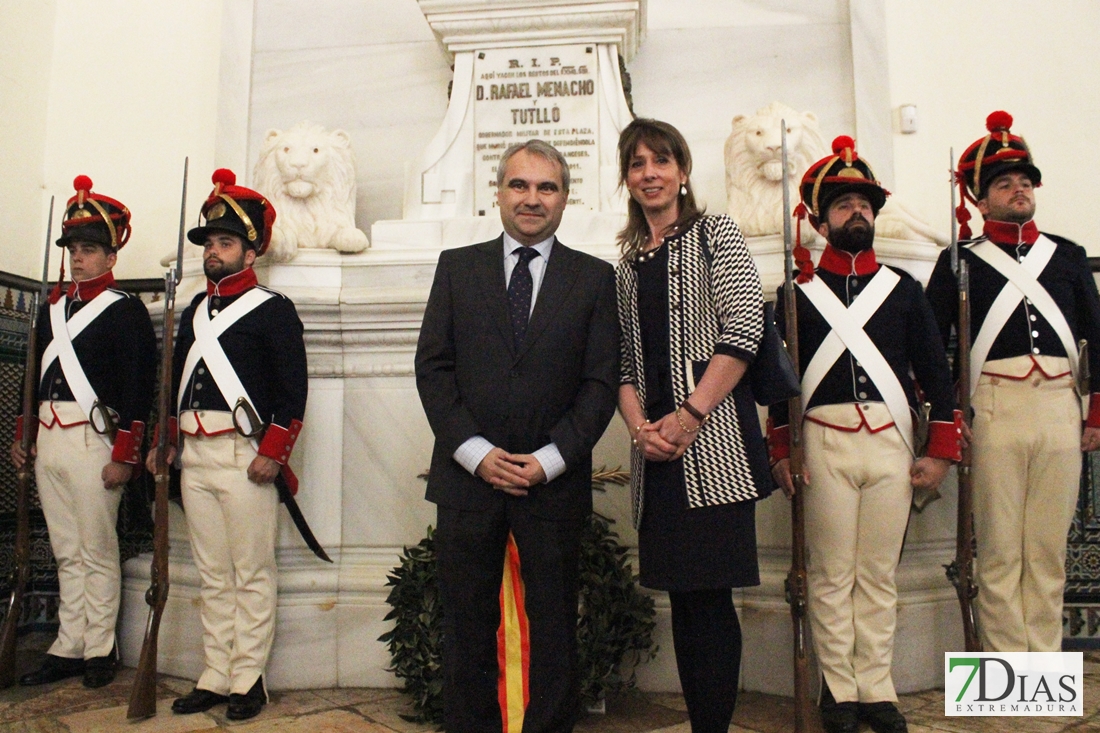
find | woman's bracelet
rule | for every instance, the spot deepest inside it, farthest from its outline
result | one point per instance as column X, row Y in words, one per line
column 693, row 412
column 684, row 427
column 637, row 432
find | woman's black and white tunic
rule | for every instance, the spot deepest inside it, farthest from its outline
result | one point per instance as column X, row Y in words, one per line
column 700, row 295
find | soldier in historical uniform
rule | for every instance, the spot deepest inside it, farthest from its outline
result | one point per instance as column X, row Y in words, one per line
column 239, row 383
column 863, row 329
column 1032, row 299
column 93, row 400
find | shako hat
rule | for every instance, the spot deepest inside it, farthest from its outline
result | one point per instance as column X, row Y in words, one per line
column 237, row 210
column 837, row 174
column 93, row 217
column 997, row 153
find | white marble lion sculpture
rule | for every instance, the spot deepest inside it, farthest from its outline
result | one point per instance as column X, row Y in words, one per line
column 754, row 166
column 308, row 172
column 754, row 176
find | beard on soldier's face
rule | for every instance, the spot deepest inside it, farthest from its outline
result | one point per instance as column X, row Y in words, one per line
column 856, row 235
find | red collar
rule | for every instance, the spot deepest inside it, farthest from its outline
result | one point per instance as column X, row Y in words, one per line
column 234, row 284
column 1010, row 233
column 87, row 289
column 839, row 262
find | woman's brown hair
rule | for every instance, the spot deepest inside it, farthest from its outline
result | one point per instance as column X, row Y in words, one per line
column 662, row 138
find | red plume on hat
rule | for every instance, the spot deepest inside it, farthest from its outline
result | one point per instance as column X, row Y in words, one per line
column 222, row 177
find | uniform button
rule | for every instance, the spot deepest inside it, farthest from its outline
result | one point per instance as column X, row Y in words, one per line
column 57, row 381
column 1028, row 302
column 198, row 386
column 1033, row 316
column 54, row 395
column 674, row 271
column 1034, row 351
column 195, row 403
column 216, row 301
column 863, row 380
column 863, row 395
column 1034, row 334
column 214, row 312
column 855, row 283
column 200, row 370
column 858, row 365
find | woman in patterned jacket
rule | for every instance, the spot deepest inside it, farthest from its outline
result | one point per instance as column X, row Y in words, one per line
column 691, row 311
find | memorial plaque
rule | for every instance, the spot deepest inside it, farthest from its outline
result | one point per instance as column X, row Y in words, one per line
column 545, row 92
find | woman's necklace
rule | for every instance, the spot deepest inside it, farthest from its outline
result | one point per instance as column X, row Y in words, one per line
column 649, row 254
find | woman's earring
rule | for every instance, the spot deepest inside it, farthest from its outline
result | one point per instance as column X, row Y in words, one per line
column 683, row 189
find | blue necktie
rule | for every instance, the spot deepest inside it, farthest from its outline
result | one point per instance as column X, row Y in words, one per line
column 520, row 289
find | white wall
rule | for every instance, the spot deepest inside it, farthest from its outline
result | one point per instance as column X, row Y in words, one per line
column 959, row 61
column 705, row 61
column 25, row 65
column 132, row 88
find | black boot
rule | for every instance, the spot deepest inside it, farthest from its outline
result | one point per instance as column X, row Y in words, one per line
column 883, row 717
column 52, row 670
column 100, row 671
column 248, row 705
column 838, row 717
column 197, row 701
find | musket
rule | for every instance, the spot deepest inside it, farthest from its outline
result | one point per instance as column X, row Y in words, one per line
column 21, row 568
column 961, row 570
column 805, row 716
column 143, row 696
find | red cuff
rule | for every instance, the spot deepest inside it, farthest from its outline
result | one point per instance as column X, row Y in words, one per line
column 128, row 444
column 1093, row 419
column 173, row 432
column 278, row 442
column 943, row 439
column 779, row 442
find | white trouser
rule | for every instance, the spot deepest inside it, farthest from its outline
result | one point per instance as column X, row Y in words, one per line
column 232, row 523
column 857, row 508
column 81, row 516
column 1027, row 472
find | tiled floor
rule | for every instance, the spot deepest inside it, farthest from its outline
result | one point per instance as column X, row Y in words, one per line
column 66, row 707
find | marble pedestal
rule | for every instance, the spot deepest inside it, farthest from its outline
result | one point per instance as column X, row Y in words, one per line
column 366, row 439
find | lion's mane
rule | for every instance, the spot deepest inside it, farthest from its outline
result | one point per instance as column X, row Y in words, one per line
column 308, row 173
column 754, row 182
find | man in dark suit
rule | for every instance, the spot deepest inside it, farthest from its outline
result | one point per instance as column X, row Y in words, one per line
column 517, row 370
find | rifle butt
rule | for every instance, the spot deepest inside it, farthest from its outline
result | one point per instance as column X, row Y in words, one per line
column 143, row 695
column 7, row 638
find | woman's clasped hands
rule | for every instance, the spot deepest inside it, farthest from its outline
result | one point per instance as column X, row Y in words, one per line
column 666, row 439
